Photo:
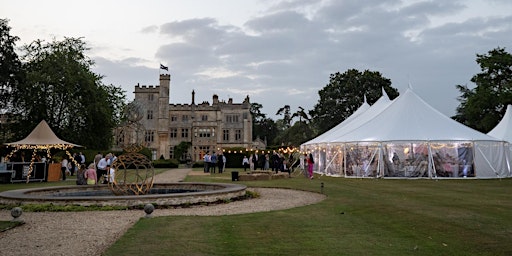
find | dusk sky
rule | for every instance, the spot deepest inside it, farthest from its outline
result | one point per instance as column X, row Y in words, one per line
column 277, row 52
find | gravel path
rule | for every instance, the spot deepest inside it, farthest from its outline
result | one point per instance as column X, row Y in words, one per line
column 90, row 233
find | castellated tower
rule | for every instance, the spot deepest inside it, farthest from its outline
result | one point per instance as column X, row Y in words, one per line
column 163, row 113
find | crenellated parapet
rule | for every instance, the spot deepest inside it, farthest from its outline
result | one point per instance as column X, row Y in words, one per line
column 147, row 88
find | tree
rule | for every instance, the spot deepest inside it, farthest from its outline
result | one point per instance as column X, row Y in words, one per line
column 287, row 118
column 61, row 89
column 10, row 65
column 10, row 73
column 257, row 118
column 297, row 133
column 268, row 129
column 483, row 106
column 345, row 93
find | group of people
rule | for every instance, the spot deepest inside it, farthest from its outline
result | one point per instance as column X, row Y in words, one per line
column 69, row 166
column 99, row 171
column 277, row 162
column 214, row 160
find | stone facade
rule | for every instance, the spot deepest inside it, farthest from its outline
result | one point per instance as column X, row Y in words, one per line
column 208, row 127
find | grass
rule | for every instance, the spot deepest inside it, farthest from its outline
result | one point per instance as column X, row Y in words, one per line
column 359, row 217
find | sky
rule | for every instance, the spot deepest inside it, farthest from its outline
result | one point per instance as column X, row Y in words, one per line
column 277, row 52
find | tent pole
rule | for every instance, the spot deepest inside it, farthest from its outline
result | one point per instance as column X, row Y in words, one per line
column 431, row 165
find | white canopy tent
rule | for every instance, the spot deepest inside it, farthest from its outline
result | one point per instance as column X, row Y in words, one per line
column 42, row 138
column 409, row 138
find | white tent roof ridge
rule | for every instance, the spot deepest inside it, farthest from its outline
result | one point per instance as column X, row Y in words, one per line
column 365, row 106
column 503, row 130
column 382, row 103
column 363, row 115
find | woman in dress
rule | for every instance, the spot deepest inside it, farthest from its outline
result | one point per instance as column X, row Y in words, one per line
column 90, row 175
column 310, row 165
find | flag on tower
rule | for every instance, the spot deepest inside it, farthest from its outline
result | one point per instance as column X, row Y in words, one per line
column 164, row 67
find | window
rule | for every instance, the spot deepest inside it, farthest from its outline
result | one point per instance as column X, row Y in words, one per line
column 204, row 117
column 231, row 118
column 184, row 118
column 149, row 136
column 173, row 133
column 225, row 135
column 150, row 114
column 120, row 138
column 238, row 135
column 150, row 97
column 204, row 133
column 174, row 118
column 171, row 152
column 184, row 132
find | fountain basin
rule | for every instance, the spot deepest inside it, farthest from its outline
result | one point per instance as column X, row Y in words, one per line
column 165, row 194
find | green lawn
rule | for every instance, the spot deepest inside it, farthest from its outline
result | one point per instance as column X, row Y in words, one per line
column 359, row 217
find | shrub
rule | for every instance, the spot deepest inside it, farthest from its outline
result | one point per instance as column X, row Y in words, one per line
column 166, row 163
column 198, row 164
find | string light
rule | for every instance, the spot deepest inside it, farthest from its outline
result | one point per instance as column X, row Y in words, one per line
column 36, row 148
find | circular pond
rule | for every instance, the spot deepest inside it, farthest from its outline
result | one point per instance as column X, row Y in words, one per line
column 167, row 194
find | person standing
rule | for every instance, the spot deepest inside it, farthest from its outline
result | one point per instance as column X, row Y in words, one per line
column 213, row 162
column 310, row 165
column 255, row 161
column 206, row 160
column 267, row 162
column 223, row 162
column 97, row 159
column 102, row 167
column 64, row 167
column 80, row 175
column 90, row 175
column 274, row 161
column 251, row 163
column 82, row 158
column 76, row 163
column 220, row 162
column 245, row 163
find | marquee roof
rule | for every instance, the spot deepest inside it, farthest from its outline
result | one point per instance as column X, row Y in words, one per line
column 42, row 135
column 406, row 118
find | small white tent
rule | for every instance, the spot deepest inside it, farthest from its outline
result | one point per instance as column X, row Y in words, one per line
column 409, row 138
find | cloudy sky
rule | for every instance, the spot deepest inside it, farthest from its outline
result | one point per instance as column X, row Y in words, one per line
column 277, row 52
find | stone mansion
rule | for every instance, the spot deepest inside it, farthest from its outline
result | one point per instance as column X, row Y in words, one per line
column 207, row 127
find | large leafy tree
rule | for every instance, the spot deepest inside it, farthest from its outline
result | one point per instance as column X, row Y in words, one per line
column 61, row 89
column 10, row 65
column 483, row 106
column 345, row 93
